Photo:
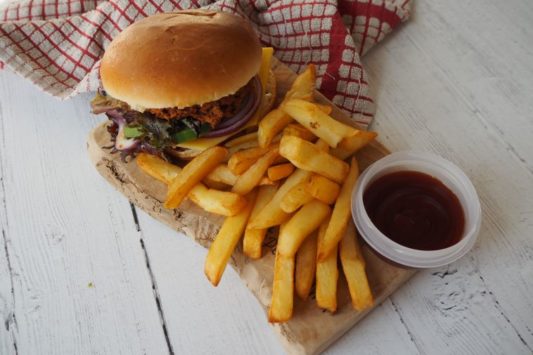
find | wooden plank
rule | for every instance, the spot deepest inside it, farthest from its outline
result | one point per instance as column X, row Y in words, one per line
column 8, row 341
column 310, row 330
column 76, row 280
column 230, row 318
column 490, row 73
column 447, row 98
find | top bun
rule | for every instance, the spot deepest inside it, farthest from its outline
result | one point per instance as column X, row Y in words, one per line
column 180, row 59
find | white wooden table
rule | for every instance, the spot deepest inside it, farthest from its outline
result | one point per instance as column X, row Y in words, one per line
column 81, row 271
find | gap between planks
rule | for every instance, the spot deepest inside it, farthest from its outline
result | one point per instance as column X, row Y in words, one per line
column 152, row 280
column 404, row 324
column 11, row 320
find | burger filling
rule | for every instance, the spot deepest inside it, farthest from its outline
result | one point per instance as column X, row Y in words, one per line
column 211, row 113
column 155, row 131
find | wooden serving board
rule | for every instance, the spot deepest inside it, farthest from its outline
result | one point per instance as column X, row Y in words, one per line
column 310, row 330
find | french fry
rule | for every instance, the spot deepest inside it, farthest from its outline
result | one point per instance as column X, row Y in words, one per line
column 295, row 198
column 303, row 87
column 214, row 201
column 296, row 129
column 192, row 174
column 214, row 185
column 307, row 156
column 270, row 126
column 301, row 225
column 265, row 180
column 353, row 265
column 325, row 108
column 253, row 238
column 349, row 145
column 242, row 160
column 340, row 216
column 322, row 189
column 157, row 168
column 327, row 275
column 282, row 289
column 222, row 177
column 225, row 242
column 222, row 174
column 323, row 126
column 272, row 214
column 224, row 203
column 251, row 177
column 281, row 171
column 322, row 145
column 242, row 139
column 242, row 146
column 264, row 69
column 306, row 266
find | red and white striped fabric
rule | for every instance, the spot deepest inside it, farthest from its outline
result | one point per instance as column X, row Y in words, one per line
column 57, row 44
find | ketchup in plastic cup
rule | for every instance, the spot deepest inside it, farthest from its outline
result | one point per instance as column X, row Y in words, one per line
column 426, row 204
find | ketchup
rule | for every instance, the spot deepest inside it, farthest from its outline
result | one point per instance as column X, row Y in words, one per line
column 415, row 210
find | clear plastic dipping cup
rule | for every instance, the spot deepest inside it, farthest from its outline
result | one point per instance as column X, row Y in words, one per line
column 441, row 169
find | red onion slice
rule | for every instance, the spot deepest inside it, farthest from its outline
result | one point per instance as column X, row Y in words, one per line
column 121, row 142
column 243, row 116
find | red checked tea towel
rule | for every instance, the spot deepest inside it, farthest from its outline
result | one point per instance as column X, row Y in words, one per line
column 57, row 44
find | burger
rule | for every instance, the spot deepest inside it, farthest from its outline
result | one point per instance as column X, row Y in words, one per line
column 174, row 84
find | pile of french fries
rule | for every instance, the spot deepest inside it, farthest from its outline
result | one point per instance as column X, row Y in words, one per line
column 291, row 173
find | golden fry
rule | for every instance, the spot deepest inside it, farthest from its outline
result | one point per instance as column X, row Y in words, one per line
column 253, row 238
column 353, row 265
column 282, row 289
column 323, row 189
column 157, row 168
column 295, row 198
column 349, row 145
column 300, row 226
column 225, row 242
column 303, row 87
column 327, row 275
column 242, row 146
column 322, row 145
column 251, row 177
column 264, row 70
column 323, row 126
column 214, row 185
column 272, row 214
column 214, row 201
column 224, row 203
column 192, row 174
column 270, row 126
column 340, row 216
column 310, row 157
column 281, row 171
column 222, row 174
column 250, row 137
column 296, row 129
column 242, row 160
column 265, row 180
column 325, row 108
column 306, row 266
